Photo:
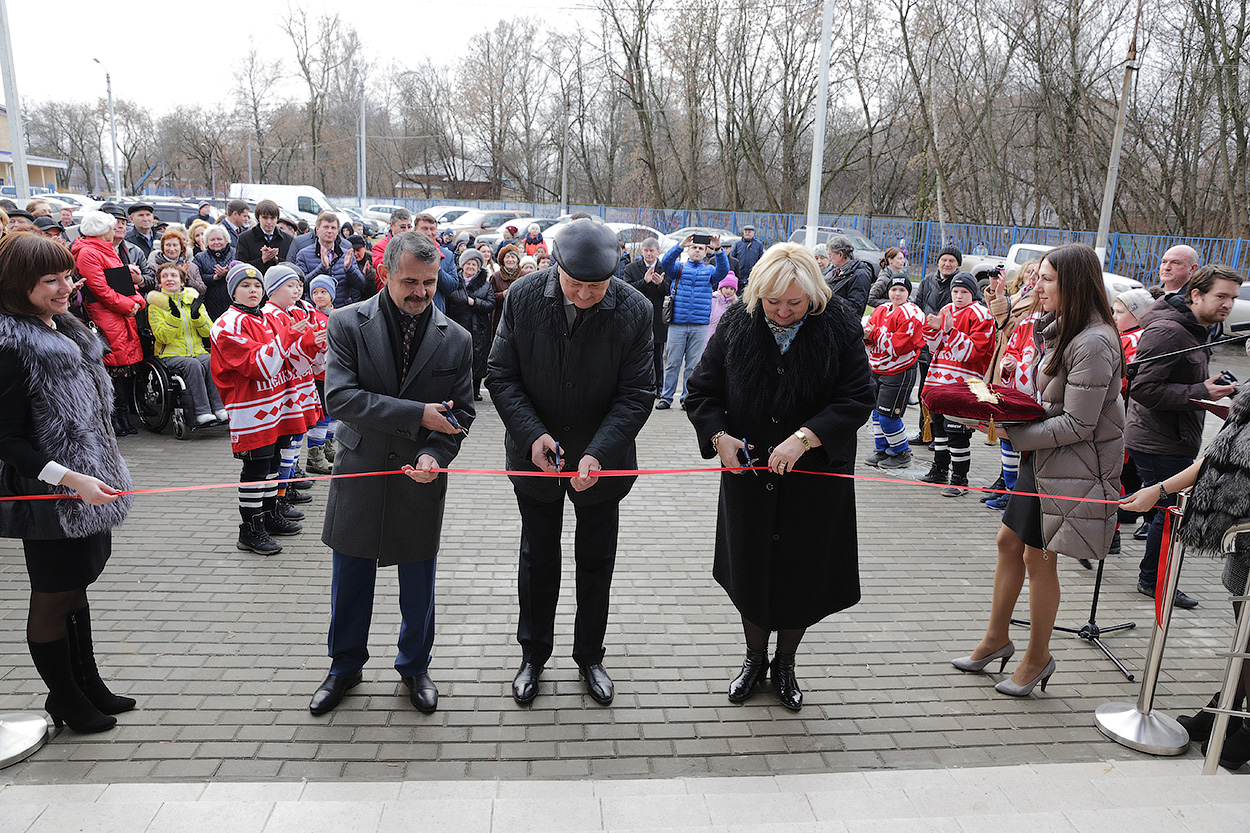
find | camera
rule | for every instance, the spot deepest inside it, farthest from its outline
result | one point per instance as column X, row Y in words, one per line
column 995, row 272
column 1225, row 378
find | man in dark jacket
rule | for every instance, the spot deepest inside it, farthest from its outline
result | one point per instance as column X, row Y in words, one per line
column 747, row 250
column 571, row 375
column 647, row 276
column 851, row 278
column 1163, row 427
column 264, row 244
column 142, row 234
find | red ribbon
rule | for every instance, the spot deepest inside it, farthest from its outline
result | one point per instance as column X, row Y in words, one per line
column 572, row 474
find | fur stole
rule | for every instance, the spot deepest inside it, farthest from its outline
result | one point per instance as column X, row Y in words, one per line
column 1221, row 495
column 71, row 402
column 756, row 388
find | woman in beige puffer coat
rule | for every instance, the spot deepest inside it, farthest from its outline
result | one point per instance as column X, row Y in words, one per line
column 1077, row 451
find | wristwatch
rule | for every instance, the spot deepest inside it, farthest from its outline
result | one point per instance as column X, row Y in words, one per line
column 807, row 443
column 717, row 436
column 1163, row 493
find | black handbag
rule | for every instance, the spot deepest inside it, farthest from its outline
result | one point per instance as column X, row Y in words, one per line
column 667, row 311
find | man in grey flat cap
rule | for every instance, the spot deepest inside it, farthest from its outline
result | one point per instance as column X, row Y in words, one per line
column 572, row 376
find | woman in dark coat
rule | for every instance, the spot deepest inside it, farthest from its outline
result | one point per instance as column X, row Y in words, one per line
column 785, row 372
column 56, row 400
column 214, row 264
column 481, row 306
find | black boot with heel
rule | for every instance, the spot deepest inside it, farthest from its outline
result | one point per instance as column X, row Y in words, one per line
column 787, row 685
column 66, row 702
column 754, row 670
column 86, row 674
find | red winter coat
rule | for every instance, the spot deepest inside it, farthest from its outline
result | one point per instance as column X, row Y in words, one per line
column 110, row 311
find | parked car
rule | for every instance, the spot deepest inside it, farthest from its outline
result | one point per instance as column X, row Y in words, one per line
column 1241, row 308
column 632, row 235
column 444, row 215
column 865, row 249
column 727, row 238
column 380, row 212
column 476, row 222
column 981, row 265
column 372, row 227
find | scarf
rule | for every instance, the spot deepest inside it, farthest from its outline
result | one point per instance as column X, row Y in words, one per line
column 784, row 336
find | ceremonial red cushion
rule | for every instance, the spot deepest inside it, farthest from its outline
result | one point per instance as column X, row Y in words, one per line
column 959, row 400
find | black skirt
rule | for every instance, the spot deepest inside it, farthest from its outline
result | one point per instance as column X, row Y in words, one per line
column 60, row 564
column 1023, row 515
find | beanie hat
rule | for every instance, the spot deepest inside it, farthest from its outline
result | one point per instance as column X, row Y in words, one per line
column 529, row 260
column 279, row 274
column 730, row 281
column 952, row 250
column 238, row 272
column 900, row 280
column 96, row 224
column 321, row 282
column 472, row 254
column 967, row 282
column 1136, row 301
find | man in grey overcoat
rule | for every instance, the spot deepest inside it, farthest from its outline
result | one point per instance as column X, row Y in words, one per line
column 396, row 364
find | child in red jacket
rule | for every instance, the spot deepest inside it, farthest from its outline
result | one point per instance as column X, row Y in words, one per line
column 252, row 368
column 962, row 346
column 321, row 436
column 895, row 336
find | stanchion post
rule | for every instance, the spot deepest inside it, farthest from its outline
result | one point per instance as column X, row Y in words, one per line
column 1137, row 726
column 21, row 735
column 1232, row 671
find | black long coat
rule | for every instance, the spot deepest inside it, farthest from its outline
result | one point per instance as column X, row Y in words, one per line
column 592, row 390
column 635, row 276
column 481, row 316
column 785, row 546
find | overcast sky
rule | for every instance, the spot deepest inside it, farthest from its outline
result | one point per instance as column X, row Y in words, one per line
column 185, row 52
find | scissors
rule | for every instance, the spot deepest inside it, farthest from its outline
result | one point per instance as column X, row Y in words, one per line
column 450, row 417
column 745, row 458
column 557, row 457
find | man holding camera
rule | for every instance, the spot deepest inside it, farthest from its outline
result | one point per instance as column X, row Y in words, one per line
column 693, row 284
column 1163, row 430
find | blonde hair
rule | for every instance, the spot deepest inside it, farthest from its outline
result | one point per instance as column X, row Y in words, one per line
column 195, row 224
column 216, row 231
column 1017, row 280
column 781, row 265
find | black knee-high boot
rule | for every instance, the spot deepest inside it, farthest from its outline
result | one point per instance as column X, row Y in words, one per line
column 82, row 660
column 66, row 701
column 122, row 387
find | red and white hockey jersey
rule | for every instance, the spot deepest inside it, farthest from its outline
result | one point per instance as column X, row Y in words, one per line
column 964, row 353
column 251, row 364
column 306, row 364
column 895, row 338
column 1021, row 348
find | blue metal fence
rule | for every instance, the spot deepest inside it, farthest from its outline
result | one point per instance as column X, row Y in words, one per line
column 1132, row 255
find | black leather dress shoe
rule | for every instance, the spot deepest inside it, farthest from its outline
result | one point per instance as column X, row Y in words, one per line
column 422, row 692
column 330, row 693
column 525, row 683
column 598, row 683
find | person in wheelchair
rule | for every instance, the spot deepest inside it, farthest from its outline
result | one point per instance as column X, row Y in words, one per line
column 179, row 325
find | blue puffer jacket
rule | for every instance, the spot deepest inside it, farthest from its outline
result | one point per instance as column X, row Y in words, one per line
column 693, row 284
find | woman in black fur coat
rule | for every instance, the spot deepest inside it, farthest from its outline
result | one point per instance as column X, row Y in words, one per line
column 1220, row 500
column 56, row 404
column 786, row 374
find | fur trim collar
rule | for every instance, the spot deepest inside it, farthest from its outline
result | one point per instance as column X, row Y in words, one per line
column 1221, row 495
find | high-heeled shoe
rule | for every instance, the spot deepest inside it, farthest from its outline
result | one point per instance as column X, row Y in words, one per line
column 786, row 683
column 86, row 673
column 754, row 670
column 1013, row 690
column 1236, row 750
column 1004, row 653
column 79, row 713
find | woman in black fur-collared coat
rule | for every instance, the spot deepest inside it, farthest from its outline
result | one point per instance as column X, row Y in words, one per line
column 56, row 405
column 785, row 371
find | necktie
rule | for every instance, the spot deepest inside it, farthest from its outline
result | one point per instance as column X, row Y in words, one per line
column 577, row 320
column 408, row 324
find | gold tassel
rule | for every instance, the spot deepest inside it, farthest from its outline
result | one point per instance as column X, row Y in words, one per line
column 991, row 436
column 926, row 424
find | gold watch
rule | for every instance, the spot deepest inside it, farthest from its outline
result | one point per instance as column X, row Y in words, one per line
column 807, row 444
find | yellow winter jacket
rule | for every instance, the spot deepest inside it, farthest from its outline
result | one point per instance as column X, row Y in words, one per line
column 176, row 332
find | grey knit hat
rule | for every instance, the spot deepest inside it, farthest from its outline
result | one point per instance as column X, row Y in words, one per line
column 238, row 272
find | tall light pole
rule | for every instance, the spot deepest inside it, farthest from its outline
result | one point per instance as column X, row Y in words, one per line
column 117, row 173
column 564, row 159
column 17, row 135
column 818, row 131
column 1117, row 141
column 360, row 165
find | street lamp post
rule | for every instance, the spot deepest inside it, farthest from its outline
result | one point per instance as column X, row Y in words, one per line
column 117, row 174
column 17, row 136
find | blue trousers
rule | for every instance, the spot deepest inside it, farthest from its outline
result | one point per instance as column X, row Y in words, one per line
column 685, row 343
column 351, row 610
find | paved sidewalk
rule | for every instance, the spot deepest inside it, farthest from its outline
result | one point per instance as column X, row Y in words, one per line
column 223, row 649
column 1144, row 797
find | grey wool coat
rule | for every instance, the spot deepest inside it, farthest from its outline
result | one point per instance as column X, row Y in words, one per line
column 391, row 518
column 1078, row 448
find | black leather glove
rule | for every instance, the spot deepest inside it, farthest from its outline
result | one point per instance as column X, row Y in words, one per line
column 172, row 309
column 195, row 307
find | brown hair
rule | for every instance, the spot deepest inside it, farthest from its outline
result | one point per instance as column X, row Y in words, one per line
column 182, row 271
column 1017, row 280
column 1204, row 280
column 889, row 255
column 1082, row 297
column 326, row 216
column 24, row 259
column 174, row 234
column 267, row 208
column 424, row 218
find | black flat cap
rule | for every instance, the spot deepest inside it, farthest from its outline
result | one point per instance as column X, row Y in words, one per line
column 114, row 210
column 45, row 223
column 588, row 251
column 17, row 212
column 140, row 206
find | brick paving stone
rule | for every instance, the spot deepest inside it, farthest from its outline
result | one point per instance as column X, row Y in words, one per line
column 223, row 648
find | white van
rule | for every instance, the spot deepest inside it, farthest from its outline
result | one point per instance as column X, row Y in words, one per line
column 302, row 201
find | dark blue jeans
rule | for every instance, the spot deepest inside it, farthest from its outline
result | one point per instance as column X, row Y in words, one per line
column 1154, row 469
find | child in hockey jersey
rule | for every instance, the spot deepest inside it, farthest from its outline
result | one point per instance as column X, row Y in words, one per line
column 284, row 284
column 252, row 368
column 961, row 345
column 1016, row 370
column 321, row 436
column 895, row 336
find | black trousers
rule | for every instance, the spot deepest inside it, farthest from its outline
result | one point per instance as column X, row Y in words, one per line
column 538, row 579
column 659, row 366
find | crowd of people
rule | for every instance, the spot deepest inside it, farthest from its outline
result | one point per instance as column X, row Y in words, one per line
column 319, row 344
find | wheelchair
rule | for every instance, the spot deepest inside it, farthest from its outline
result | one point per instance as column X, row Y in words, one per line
column 158, row 391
